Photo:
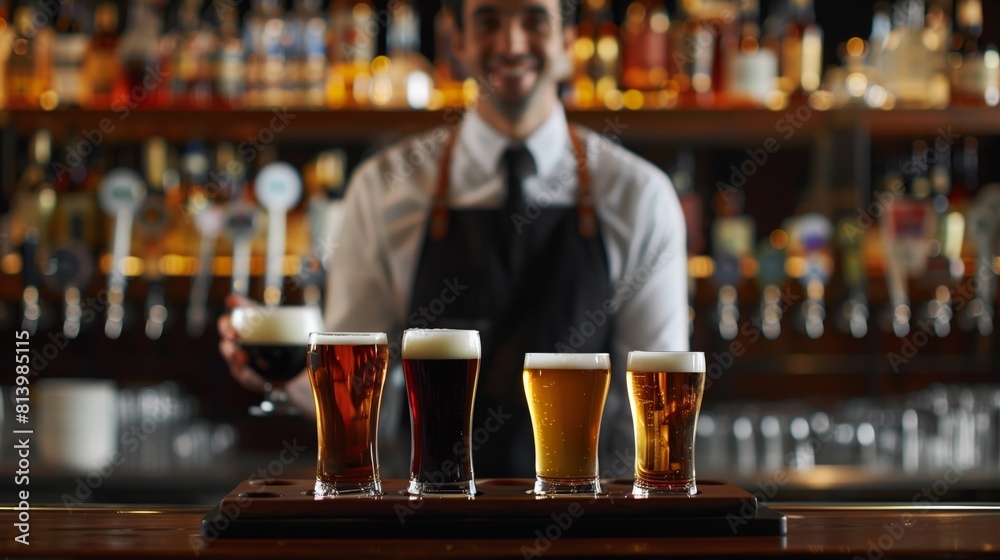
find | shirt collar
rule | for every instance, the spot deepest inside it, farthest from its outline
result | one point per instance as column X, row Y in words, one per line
column 485, row 145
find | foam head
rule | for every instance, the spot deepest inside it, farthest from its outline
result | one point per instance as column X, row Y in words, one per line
column 674, row 362
column 276, row 325
column 441, row 344
column 346, row 339
column 566, row 361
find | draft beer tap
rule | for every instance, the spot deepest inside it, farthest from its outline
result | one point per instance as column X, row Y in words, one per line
column 854, row 313
column 278, row 188
column 983, row 226
column 810, row 236
column 121, row 194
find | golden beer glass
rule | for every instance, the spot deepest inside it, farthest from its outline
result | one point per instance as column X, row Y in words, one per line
column 347, row 373
column 665, row 391
column 566, row 395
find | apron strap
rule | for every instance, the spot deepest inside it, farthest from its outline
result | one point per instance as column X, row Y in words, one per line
column 584, row 193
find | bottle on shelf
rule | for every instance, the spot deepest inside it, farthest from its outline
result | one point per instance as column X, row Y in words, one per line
column 975, row 69
column 230, row 61
column 143, row 83
column 353, row 46
column 193, row 46
column 264, row 31
column 69, row 48
column 753, row 68
column 449, row 75
column 914, row 80
column 102, row 67
column 733, row 235
column 309, row 59
column 595, row 56
column 645, row 51
column 403, row 78
column 710, row 39
column 801, row 50
column 29, row 68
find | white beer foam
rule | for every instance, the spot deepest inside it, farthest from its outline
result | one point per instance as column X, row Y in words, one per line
column 276, row 325
column 677, row 362
column 441, row 344
column 347, row 338
column 566, row 361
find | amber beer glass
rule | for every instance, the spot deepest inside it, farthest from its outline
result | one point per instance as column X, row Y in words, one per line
column 665, row 390
column 441, row 367
column 274, row 339
column 347, row 372
column 566, row 395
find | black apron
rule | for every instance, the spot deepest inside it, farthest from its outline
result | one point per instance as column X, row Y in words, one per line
column 528, row 292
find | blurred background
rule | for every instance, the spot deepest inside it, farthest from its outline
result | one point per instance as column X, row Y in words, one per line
column 836, row 161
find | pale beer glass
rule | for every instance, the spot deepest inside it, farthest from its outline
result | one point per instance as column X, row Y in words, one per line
column 665, row 391
column 566, row 395
column 347, row 373
column 441, row 367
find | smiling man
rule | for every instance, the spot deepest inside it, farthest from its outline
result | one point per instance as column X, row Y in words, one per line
column 545, row 236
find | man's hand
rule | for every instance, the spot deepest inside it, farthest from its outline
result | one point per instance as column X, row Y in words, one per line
column 230, row 349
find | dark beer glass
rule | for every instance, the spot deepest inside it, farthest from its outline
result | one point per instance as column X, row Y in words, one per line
column 566, row 395
column 274, row 339
column 347, row 372
column 441, row 367
column 665, row 391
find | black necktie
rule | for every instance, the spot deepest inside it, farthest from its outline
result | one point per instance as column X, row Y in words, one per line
column 520, row 165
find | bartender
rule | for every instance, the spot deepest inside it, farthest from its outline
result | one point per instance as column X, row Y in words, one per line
column 541, row 235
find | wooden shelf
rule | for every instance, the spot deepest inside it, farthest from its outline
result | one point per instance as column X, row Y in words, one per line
column 737, row 128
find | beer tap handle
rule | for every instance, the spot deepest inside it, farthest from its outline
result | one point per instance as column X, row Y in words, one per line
column 209, row 224
column 121, row 193
column 242, row 221
column 30, row 305
column 278, row 188
column 983, row 222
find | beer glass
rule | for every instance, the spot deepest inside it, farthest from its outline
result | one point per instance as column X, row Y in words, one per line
column 665, row 390
column 441, row 367
column 566, row 395
column 274, row 339
column 347, row 372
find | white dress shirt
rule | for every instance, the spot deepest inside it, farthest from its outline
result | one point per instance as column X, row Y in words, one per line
column 374, row 257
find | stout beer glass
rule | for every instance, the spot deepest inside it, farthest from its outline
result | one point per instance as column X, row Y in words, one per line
column 566, row 394
column 664, row 391
column 441, row 367
column 274, row 339
column 347, row 372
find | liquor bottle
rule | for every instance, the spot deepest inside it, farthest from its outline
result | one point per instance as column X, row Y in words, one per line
column 403, row 79
column 353, row 45
column 878, row 41
column 753, row 69
column 596, row 55
column 308, row 61
column 975, row 75
column 264, row 31
column 645, row 46
column 231, row 68
column 914, row 78
column 143, row 81
column 6, row 41
column 193, row 46
column 711, row 38
column 801, row 49
column 29, row 65
column 448, row 71
column 72, row 36
column 102, row 68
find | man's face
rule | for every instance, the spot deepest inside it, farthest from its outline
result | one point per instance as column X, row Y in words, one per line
column 515, row 46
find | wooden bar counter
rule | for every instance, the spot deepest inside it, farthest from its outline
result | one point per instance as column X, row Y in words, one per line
column 825, row 531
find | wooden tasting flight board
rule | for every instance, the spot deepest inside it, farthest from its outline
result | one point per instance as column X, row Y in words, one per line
column 502, row 508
